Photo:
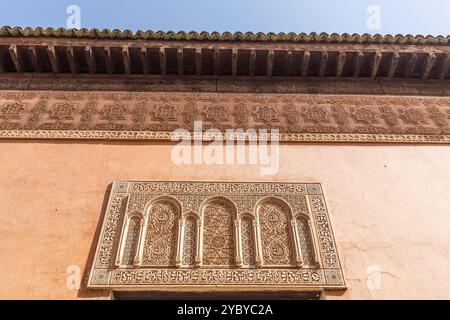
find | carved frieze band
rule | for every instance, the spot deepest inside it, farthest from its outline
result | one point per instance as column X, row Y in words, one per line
column 216, row 233
column 153, row 116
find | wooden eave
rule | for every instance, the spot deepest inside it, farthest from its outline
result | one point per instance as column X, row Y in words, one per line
column 200, row 54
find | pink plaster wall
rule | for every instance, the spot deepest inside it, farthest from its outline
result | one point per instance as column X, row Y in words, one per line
column 389, row 207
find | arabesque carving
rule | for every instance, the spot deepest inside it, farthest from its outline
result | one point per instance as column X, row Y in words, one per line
column 230, row 235
column 218, row 242
column 154, row 115
column 161, row 234
column 274, row 220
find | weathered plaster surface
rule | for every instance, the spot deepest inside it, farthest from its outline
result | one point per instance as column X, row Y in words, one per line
column 389, row 207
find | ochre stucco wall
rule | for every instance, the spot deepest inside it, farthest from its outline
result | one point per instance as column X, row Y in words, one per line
column 389, row 207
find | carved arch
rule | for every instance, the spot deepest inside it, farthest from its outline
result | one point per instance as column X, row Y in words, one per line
column 128, row 253
column 276, row 232
column 248, row 242
column 190, row 242
column 162, row 232
column 306, row 241
column 191, row 214
column 174, row 200
column 219, row 232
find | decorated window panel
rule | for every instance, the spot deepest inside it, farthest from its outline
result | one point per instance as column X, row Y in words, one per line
column 276, row 239
column 203, row 235
column 248, row 244
column 132, row 232
column 218, row 233
column 189, row 244
column 307, row 250
column 161, row 235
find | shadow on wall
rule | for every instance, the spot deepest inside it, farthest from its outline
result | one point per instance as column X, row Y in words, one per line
column 84, row 292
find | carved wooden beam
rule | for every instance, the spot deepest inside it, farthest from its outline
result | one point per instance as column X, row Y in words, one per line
column 198, row 61
column 288, row 66
column 427, row 70
column 162, row 60
column 251, row 67
column 323, row 63
column 216, row 61
column 305, row 64
column 411, row 65
column 270, row 58
column 431, row 59
column 393, row 65
column 51, row 51
column 71, row 60
column 244, row 45
column 15, row 56
column 126, row 60
column 340, row 63
column 180, row 61
column 144, row 60
column 234, row 62
column 358, row 63
column 376, row 64
column 89, row 53
column 445, row 66
column 108, row 61
column 34, row 59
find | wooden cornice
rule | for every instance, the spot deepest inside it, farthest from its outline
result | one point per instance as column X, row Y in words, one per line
column 69, row 51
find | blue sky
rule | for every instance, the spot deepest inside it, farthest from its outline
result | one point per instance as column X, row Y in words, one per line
column 397, row 16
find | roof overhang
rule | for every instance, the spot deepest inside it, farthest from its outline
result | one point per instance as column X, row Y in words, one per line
column 62, row 51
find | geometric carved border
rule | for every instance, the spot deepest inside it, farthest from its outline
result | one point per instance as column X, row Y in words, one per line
column 127, row 197
column 154, row 115
column 166, row 136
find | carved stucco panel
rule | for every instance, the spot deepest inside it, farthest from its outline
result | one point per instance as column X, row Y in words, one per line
column 218, row 240
column 161, row 234
column 274, row 220
column 153, row 115
column 196, row 234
